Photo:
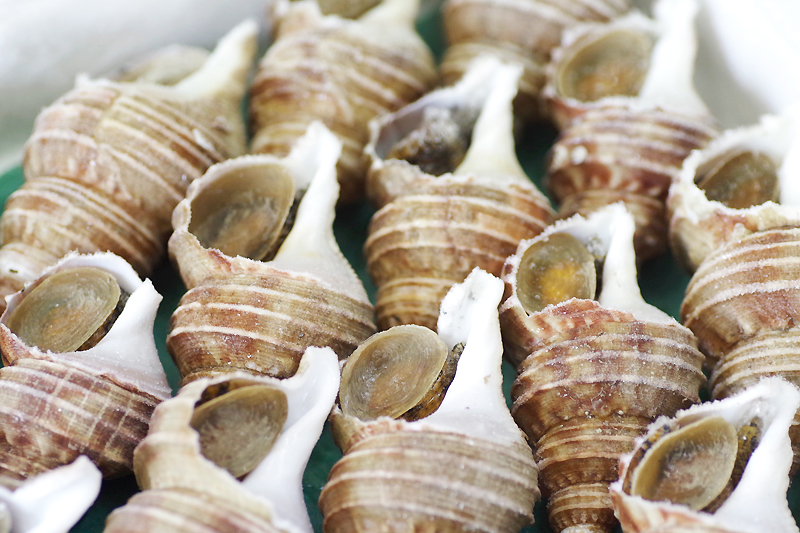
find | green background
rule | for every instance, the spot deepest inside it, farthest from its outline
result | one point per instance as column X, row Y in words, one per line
column 662, row 283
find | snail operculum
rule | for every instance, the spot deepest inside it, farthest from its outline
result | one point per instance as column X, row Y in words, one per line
column 740, row 179
column 436, row 141
column 403, row 372
column 246, row 212
column 615, row 64
column 697, row 464
column 238, row 422
column 70, row 310
column 555, row 269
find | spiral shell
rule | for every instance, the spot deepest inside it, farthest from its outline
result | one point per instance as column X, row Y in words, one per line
column 466, row 467
column 622, row 93
column 518, row 31
column 756, row 471
column 96, row 402
column 108, row 162
column 431, row 230
column 259, row 316
column 184, row 487
column 591, row 374
column 341, row 72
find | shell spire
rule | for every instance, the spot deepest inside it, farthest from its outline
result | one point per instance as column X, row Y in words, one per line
column 596, row 364
column 451, row 193
column 107, row 163
column 623, row 96
column 184, row 466
column 265, row 275
column 463, row 466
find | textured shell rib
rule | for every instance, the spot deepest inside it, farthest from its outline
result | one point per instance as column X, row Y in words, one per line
column 107, row 163
column 183, row 489
column 488, row 202
column 97, row 402
column 758, row 503
column 342, row 72
column 593, row 374
column 630, row 148
column 466, row 467
column 243, row 314
column 518, row 31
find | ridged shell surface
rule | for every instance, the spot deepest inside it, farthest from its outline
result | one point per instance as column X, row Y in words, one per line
column 259, row 316
column 107, row 163
column 341, row 72
column 629, row 148
column 466, row 467
column 96, row 402
column 593, row 374
column 431, row 231
column 518, row 31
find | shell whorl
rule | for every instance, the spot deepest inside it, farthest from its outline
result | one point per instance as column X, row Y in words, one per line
column 361, row 69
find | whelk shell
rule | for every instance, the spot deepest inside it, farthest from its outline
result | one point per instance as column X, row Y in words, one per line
column 591, row 374
column 342, row 72
column 186, row 489
column 259, row 316
column 754, row 496
column 518, row 31
column 622, row 93
column 107, row 163
column 57, row 405
column 465, row 467
column 432, row 230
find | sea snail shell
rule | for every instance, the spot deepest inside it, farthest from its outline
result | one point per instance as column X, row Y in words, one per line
column 259, row 316
column 55, row 406
column 342, row 72
column 108, row 162
column 179, row 465
column 465, row 467
column 623, row 95
column 740, row 444
column 469, row 207
column 591, row 374
column 518, row 31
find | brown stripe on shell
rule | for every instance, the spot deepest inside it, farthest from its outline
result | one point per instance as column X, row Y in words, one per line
column 343, row 74
column 520, row 31
column 51, row 413
column 442, row 480
column 183, row 512
column 263, row 325
column 626, row 152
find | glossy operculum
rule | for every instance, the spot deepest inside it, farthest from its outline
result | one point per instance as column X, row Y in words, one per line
column 403, row 372
column 740, row 179
column 346, row 8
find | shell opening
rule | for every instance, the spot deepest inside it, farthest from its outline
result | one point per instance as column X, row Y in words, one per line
column 247, row 212
column 555, row 269
column 697, row 464
column 403, row 372
column 70, row 310
column 435, row 139
column 740, row 179
column 615, row 64
column 238, row 422
column 350, row 9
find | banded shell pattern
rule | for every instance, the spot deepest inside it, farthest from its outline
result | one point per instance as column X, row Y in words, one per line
column 743, row 301
column 465, row 467
column 622, row 93
column 592, row 373
column 198, row 439
column 342, row 72
column 451, row 193
column 108, row 162
column 518, row 31
column 242, row 313
column 739, row 446
column 57, row 405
